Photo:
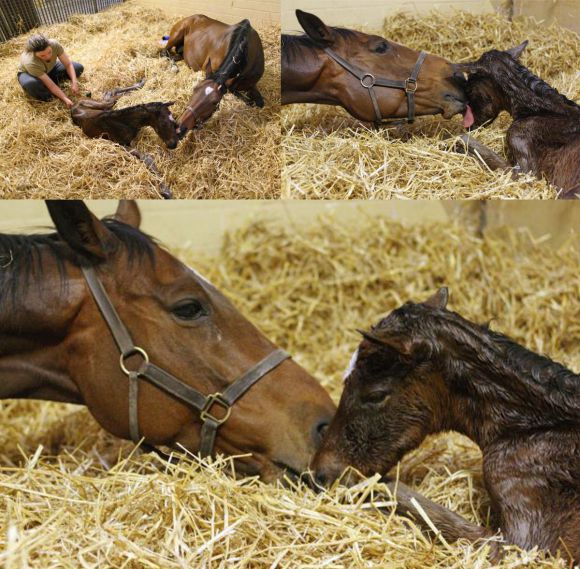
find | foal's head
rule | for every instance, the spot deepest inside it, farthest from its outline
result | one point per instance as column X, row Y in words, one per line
column 485, row 95
column 187, row 327
column 394, row 393
column 163, row 123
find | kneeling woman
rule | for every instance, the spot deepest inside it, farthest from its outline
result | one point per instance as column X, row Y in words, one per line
column 40, row 73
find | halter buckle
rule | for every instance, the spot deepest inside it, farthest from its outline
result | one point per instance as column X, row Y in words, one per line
column 215, row 398
column 410, row 85
column 131, row 352
column 372, row 82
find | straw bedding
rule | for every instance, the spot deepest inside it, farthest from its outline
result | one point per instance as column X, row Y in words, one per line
column 235, row 155
column 68, row 502
column 329, row 154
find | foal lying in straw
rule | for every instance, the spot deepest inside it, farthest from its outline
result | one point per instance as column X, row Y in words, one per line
column 424, row 369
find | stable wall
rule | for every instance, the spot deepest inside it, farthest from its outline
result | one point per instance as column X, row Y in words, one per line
column 201, row 225
column 259, row 12
column 371, row 13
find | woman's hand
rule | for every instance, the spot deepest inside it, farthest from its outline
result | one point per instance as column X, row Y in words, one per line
column 68, row 102
column 75, row 87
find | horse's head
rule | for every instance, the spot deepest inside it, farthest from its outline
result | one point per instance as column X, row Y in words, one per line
column 165, row 125
column 204, row 102
column 189, row 329
column 438, row 88
column 485, row 96
column 393, row 395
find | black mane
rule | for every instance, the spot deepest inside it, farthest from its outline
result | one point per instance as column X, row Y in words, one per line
column 293, row 44
column 22, row 256
column 237, row 56
column 504, row 69
column 466, row 348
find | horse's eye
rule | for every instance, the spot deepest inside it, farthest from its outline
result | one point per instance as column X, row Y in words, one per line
column 382, row 47
column 375, row 397
column 189, row 310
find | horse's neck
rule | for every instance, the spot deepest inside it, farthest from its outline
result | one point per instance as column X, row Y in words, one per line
column 515, row 391
column 136, row 118
column 33, row 341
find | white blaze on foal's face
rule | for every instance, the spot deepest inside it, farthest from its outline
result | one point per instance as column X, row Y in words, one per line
column 351, row 365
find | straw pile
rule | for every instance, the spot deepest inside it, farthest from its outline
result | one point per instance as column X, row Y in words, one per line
column 235, row 155
column 73, row 504
column 329, row 154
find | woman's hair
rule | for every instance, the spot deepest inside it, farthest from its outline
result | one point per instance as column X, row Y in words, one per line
column 37, row 42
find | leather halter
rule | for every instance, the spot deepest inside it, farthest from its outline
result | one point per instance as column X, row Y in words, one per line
column 167, row 382
column 369, row 81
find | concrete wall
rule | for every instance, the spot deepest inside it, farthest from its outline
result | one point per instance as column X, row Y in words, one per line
column 259, row 12
column 200, row 225
column 371, row 13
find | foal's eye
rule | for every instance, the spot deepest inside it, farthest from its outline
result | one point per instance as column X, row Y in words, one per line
column 382, row 47
column 189, row 310
column 375, row 397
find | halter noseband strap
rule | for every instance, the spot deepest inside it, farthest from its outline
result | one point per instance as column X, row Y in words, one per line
column 369, row 81
column 165, row 381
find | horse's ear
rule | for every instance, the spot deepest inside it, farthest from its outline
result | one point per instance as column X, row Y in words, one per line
column 81, row 230
column 315, row 28
column 401, row 344
column 208, row 70
column 517, row 51
column 128, row 212
column 169, row 104
column 439, row 299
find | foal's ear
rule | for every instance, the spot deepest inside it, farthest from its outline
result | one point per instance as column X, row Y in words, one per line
column 516, row 52
column 169, row 104
column 84, row 233
column 315, row 28
column 401, row 344
column 128, row 212
column 439, row 299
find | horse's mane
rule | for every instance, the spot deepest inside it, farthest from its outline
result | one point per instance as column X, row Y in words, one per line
column 25, row 256
column 236, row 56
column 292, row 45
column 501, row 66
column 147, row 107
column 474, row 347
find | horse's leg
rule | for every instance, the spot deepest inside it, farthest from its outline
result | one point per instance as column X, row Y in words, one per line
column 448, row 524
column 122, row 91
column 165, row 190
column 470, row 146
column 252, row 97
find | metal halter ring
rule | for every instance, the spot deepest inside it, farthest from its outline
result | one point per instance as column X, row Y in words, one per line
column 368, row 85
column 215, row 398
column 410, row 85
column 128, row 354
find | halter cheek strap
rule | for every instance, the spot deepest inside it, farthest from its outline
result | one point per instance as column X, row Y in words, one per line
column 369, row 82
column 207, row 405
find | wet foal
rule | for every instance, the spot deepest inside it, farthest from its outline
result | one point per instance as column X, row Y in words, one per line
column 423, row 370
column 98, row 119
column 544, row 138
column 336, row 66
column 200, row 368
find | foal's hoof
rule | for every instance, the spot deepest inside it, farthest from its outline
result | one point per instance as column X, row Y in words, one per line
column 166, row 194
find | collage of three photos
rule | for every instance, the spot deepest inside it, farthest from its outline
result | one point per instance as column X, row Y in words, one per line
column 290, row 283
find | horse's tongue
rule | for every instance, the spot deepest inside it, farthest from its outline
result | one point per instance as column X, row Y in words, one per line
column 468, row 118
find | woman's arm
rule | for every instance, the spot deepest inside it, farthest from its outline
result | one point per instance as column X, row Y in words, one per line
column 55, row 89
column 66, row 61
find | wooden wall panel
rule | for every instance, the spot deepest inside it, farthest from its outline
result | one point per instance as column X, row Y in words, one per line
column 259, row 12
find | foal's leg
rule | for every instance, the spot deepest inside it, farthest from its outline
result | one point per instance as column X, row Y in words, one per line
column 468, row 145
column 122, row 91
column 165, row 190
column 450, row 525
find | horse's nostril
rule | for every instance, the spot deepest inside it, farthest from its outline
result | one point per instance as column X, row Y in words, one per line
column 320, row 430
